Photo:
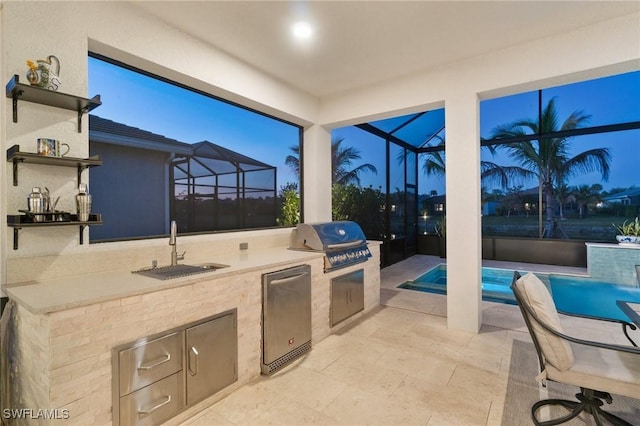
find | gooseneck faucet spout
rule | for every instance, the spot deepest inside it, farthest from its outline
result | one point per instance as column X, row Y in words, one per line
column 173, row 243
column 172, row 233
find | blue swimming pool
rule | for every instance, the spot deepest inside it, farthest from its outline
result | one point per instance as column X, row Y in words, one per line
column 570, row 293
column 495, row 283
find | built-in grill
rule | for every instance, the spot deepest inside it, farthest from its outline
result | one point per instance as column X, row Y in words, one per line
column 343, row 242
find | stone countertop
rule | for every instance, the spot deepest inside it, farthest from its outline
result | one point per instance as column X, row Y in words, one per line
column 614, row 245
column 52, row 295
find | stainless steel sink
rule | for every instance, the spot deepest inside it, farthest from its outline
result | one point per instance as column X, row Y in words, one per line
column 213, row 266
column 177, row 271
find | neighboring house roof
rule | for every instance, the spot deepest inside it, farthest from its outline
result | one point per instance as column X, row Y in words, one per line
column 436, row 199
column 211, row 157
column 531, row 191
column 107, row 131
column 627, row 194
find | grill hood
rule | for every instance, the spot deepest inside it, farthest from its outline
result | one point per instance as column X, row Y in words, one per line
column 343, row 242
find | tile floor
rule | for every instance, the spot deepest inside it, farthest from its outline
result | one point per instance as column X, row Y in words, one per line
column 398, row 365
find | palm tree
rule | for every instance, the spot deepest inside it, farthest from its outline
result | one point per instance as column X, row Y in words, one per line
column 293, row 160
column 548, row 158
column 562, row 196
column 433, row 163
column 341, row 160
column 585, row 195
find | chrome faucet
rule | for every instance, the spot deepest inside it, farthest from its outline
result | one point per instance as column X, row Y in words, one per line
column 173, row 243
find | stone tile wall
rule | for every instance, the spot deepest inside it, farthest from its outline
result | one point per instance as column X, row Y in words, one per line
column 613, row 263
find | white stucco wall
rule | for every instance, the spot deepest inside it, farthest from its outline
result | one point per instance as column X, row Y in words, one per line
column 32, row 30
column 603, row 49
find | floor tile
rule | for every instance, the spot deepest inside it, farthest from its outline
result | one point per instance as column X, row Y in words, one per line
column 397, row 365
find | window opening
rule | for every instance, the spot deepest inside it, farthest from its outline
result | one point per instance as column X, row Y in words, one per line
column 171, row 152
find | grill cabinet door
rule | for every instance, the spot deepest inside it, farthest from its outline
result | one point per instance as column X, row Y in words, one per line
column 347, row 296
column 211, row 357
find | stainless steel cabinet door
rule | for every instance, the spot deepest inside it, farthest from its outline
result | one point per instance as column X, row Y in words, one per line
column 211, row 357
column 347, row 296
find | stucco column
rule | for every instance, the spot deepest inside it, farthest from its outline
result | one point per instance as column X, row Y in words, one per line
column 317, row 174
column 464, row 239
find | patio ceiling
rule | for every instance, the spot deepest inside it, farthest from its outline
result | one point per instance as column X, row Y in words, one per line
column 360, row 43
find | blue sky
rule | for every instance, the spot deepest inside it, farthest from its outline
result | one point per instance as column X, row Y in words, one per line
column 136, row 100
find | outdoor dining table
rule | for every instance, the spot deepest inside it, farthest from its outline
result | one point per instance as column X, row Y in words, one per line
column 628, row 314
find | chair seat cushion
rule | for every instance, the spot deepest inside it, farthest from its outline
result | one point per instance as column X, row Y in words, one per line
column 556, row 350
column 601, row 369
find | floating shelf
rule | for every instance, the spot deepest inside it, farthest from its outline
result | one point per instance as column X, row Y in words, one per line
column 26, row 92
column 14, row 155
column 18, row 222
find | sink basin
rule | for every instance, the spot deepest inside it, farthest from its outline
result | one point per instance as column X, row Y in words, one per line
column 212, row 266
column 177, row 271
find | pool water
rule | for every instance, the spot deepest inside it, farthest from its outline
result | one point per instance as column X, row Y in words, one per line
column 495, row 283
column 571, row 294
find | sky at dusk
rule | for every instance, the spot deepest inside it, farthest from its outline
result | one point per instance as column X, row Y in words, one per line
column 136, row 100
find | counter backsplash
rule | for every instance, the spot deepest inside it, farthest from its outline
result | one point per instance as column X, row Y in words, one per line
column 131, row 255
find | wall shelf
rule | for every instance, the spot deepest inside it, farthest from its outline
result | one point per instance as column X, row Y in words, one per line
column 17, row 222
column 26, row 92
column 15, row 156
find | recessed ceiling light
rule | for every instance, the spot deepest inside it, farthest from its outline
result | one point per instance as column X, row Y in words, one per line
column 302, row 30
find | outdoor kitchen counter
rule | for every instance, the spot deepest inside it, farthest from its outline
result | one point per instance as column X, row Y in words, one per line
column 66, row 328
column 58, row 294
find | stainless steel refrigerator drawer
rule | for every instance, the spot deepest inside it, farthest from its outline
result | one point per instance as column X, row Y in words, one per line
column 150, row 361
column 286, row 316
column 154, row 404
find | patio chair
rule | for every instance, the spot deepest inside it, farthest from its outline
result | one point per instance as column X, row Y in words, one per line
column 598, row 369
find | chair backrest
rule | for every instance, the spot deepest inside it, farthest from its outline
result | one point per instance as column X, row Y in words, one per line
column 540, row 315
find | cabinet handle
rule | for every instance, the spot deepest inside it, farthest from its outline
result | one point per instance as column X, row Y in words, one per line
column 194, row 352
column 161, row 360
column 344, row 245
column 287, row 279
column 155, row 407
